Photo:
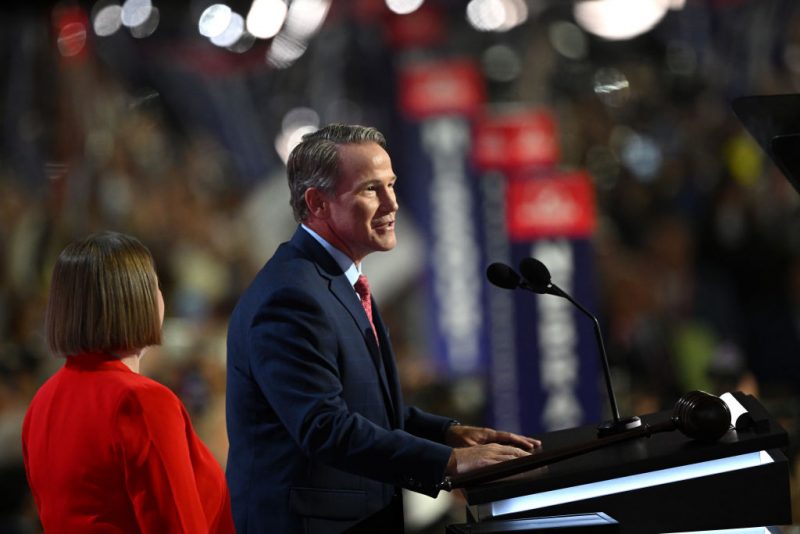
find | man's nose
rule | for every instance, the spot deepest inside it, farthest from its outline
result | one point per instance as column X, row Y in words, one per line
column 389, row 201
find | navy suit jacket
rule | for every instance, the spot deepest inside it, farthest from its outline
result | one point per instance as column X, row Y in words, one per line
column 319, row 436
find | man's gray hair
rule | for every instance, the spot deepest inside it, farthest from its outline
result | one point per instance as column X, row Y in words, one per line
column 315, row 161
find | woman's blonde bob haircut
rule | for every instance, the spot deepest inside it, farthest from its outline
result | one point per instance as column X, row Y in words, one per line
column 103, row 297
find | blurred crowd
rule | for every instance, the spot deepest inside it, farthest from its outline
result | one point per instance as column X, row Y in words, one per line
column 698, row 245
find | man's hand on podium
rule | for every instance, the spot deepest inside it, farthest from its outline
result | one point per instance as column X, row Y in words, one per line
column 475, row 447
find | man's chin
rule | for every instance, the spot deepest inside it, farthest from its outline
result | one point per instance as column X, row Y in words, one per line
column 384, row 245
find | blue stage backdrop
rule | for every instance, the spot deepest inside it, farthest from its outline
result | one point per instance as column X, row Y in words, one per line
column 483, row 187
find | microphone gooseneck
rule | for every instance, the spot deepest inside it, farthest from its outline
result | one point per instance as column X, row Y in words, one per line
column 538, row 276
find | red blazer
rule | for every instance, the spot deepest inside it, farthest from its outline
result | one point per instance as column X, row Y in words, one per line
column 109, row 450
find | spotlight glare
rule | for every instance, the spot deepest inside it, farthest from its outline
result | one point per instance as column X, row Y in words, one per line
column 288, row 139
column 305, row 17
column 487, row 15
column 619, row 19
column 266, row 17
column 516, row 13
column 232, row 33
column 285, row 51
column 245, row 43
column 71, row 39
column 403, row 7
column 214, row 20
column 146, row 28
column 107, row 20
column 135, row 12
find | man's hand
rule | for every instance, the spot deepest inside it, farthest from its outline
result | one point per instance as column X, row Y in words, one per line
column 476, row 447
column 466, row 459
column 467, row 436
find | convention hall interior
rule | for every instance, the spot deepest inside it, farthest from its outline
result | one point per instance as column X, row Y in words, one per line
column 598, row 136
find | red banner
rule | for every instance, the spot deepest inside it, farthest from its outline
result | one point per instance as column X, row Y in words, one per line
column 441, row 88
column 560, row 205
column 513, row 141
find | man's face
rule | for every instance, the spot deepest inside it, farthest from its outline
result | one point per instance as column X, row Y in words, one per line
column 362, row 212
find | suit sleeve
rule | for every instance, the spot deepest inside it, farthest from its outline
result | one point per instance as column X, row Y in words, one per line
column 162, row 473
column 293, row 357
column 427, row 425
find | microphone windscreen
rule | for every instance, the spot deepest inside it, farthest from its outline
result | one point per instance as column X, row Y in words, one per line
column 702, row 416
column 536, row 273
column 502, row 275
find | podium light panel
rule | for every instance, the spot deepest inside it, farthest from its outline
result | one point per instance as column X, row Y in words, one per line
column 622, row 484
column 751, row 530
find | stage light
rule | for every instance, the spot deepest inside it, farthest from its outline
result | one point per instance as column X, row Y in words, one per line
column 298, row 117
column 214, row 20
column 245, row 43
column 107, row 20
column 516, row 13
column 285, row 51
column 403, row 7
column 146, row 28
column 496, row 15
column 295, row 124
column 612, row 87
column 642, row 156
column 135, row 12
column 568, row 40
column 619, row 19
column 71, row 39
column 305, row 17
column 486, row 15
column 232, row 34
column 266, row 17
column 501, row 63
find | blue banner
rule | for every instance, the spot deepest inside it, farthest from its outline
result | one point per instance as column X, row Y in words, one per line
column 440, row 190
column 544, row 361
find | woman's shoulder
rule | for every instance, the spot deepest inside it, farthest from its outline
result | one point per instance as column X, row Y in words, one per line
column 151, row 403
column 148, row 394
column 143, row 386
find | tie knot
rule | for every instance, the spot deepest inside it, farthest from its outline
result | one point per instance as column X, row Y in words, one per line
column 362, row 287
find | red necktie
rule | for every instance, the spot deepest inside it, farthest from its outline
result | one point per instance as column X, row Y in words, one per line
column 362, row 288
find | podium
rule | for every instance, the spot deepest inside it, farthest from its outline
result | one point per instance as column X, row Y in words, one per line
column 666, row 482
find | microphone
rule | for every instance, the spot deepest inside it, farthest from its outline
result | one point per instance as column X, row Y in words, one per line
column 504, row 276
column 701, row 416
column 539, row 280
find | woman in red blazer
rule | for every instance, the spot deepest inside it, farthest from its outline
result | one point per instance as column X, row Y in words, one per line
column 106, row 449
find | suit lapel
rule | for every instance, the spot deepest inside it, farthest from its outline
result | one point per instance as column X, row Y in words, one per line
column 341, row 289
column 345, row 293
column 389, row 365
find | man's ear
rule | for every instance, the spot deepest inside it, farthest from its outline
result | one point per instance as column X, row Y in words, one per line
column 317, row 202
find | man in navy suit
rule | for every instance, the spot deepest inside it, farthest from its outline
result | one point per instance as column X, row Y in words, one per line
column 320, row 440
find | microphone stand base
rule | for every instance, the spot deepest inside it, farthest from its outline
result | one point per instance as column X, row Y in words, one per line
column 609, row 428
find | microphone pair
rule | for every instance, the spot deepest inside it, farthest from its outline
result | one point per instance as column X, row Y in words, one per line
column 535, row 277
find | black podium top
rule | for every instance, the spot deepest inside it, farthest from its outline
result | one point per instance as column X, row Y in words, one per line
column 774, row 122
column 638, row 455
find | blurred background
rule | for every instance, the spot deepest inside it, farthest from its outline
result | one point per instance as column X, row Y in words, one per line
column 595, row 135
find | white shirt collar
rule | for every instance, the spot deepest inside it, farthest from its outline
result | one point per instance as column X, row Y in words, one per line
column 348, row 266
